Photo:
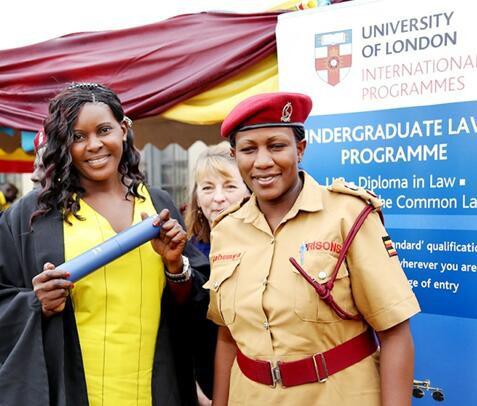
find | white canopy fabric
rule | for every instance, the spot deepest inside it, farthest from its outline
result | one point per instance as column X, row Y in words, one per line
column 26, row 22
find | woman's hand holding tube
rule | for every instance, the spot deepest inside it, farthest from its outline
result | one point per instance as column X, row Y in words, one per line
column 51, row 288
column 171, row 241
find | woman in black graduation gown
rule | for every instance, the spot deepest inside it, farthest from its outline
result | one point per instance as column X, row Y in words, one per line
column 92, row 175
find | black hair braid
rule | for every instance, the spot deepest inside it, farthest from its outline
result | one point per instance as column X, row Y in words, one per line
column 62, row 190
column 131, row 176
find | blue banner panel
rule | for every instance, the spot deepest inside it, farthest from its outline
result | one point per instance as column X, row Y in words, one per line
column 416, row 159
column 441, row 268
column 446, row 358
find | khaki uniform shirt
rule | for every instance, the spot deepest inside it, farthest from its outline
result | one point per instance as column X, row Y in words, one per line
column 274, row 314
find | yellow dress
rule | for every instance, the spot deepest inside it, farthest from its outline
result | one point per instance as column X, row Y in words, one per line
column 117, row 310
column 3, row 202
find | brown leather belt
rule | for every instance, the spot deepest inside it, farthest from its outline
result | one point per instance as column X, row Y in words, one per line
column 316, row 368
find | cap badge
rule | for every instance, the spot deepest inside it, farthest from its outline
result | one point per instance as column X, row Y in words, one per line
column 287, row 112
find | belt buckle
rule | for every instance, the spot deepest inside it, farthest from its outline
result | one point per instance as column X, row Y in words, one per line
column 323, row 366
column 276, row 375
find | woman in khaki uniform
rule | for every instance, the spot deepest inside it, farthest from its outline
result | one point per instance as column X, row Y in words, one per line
column 279, row 343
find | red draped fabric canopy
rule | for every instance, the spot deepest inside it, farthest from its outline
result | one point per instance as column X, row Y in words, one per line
column 151, row 67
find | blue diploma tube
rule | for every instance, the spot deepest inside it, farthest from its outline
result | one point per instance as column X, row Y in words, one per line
column 111, row 249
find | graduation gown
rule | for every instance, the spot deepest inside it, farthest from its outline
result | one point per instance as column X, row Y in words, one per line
column 40, row 359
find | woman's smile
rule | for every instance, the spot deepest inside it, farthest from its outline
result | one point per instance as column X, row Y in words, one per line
column 265, row 180
column 99, row 161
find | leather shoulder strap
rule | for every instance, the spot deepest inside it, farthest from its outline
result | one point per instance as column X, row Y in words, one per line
column 347, row 242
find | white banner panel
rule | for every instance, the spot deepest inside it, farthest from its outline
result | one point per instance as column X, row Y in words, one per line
column 381, row 54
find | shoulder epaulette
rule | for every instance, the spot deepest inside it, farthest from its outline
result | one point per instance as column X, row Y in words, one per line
column 340, row 186
column 232, row 208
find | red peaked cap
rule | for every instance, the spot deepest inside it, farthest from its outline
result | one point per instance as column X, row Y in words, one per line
column 39, row 140
column 278, row 109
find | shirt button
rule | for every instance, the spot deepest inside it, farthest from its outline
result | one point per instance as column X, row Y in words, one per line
column 322, row 275
column 216, row 285
column 266, row 325
column 272, row 241
column 265, row 282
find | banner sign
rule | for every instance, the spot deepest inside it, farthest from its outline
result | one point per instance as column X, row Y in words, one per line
column 394, row 89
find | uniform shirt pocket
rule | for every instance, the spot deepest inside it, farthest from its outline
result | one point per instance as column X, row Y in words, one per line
column 308, row 305
column 223, row 285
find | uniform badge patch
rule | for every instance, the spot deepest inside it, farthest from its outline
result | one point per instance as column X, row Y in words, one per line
column 388, row 244
column 225, row 257
column 329, row 246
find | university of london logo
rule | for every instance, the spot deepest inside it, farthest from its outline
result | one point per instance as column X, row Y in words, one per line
column 333, row 55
